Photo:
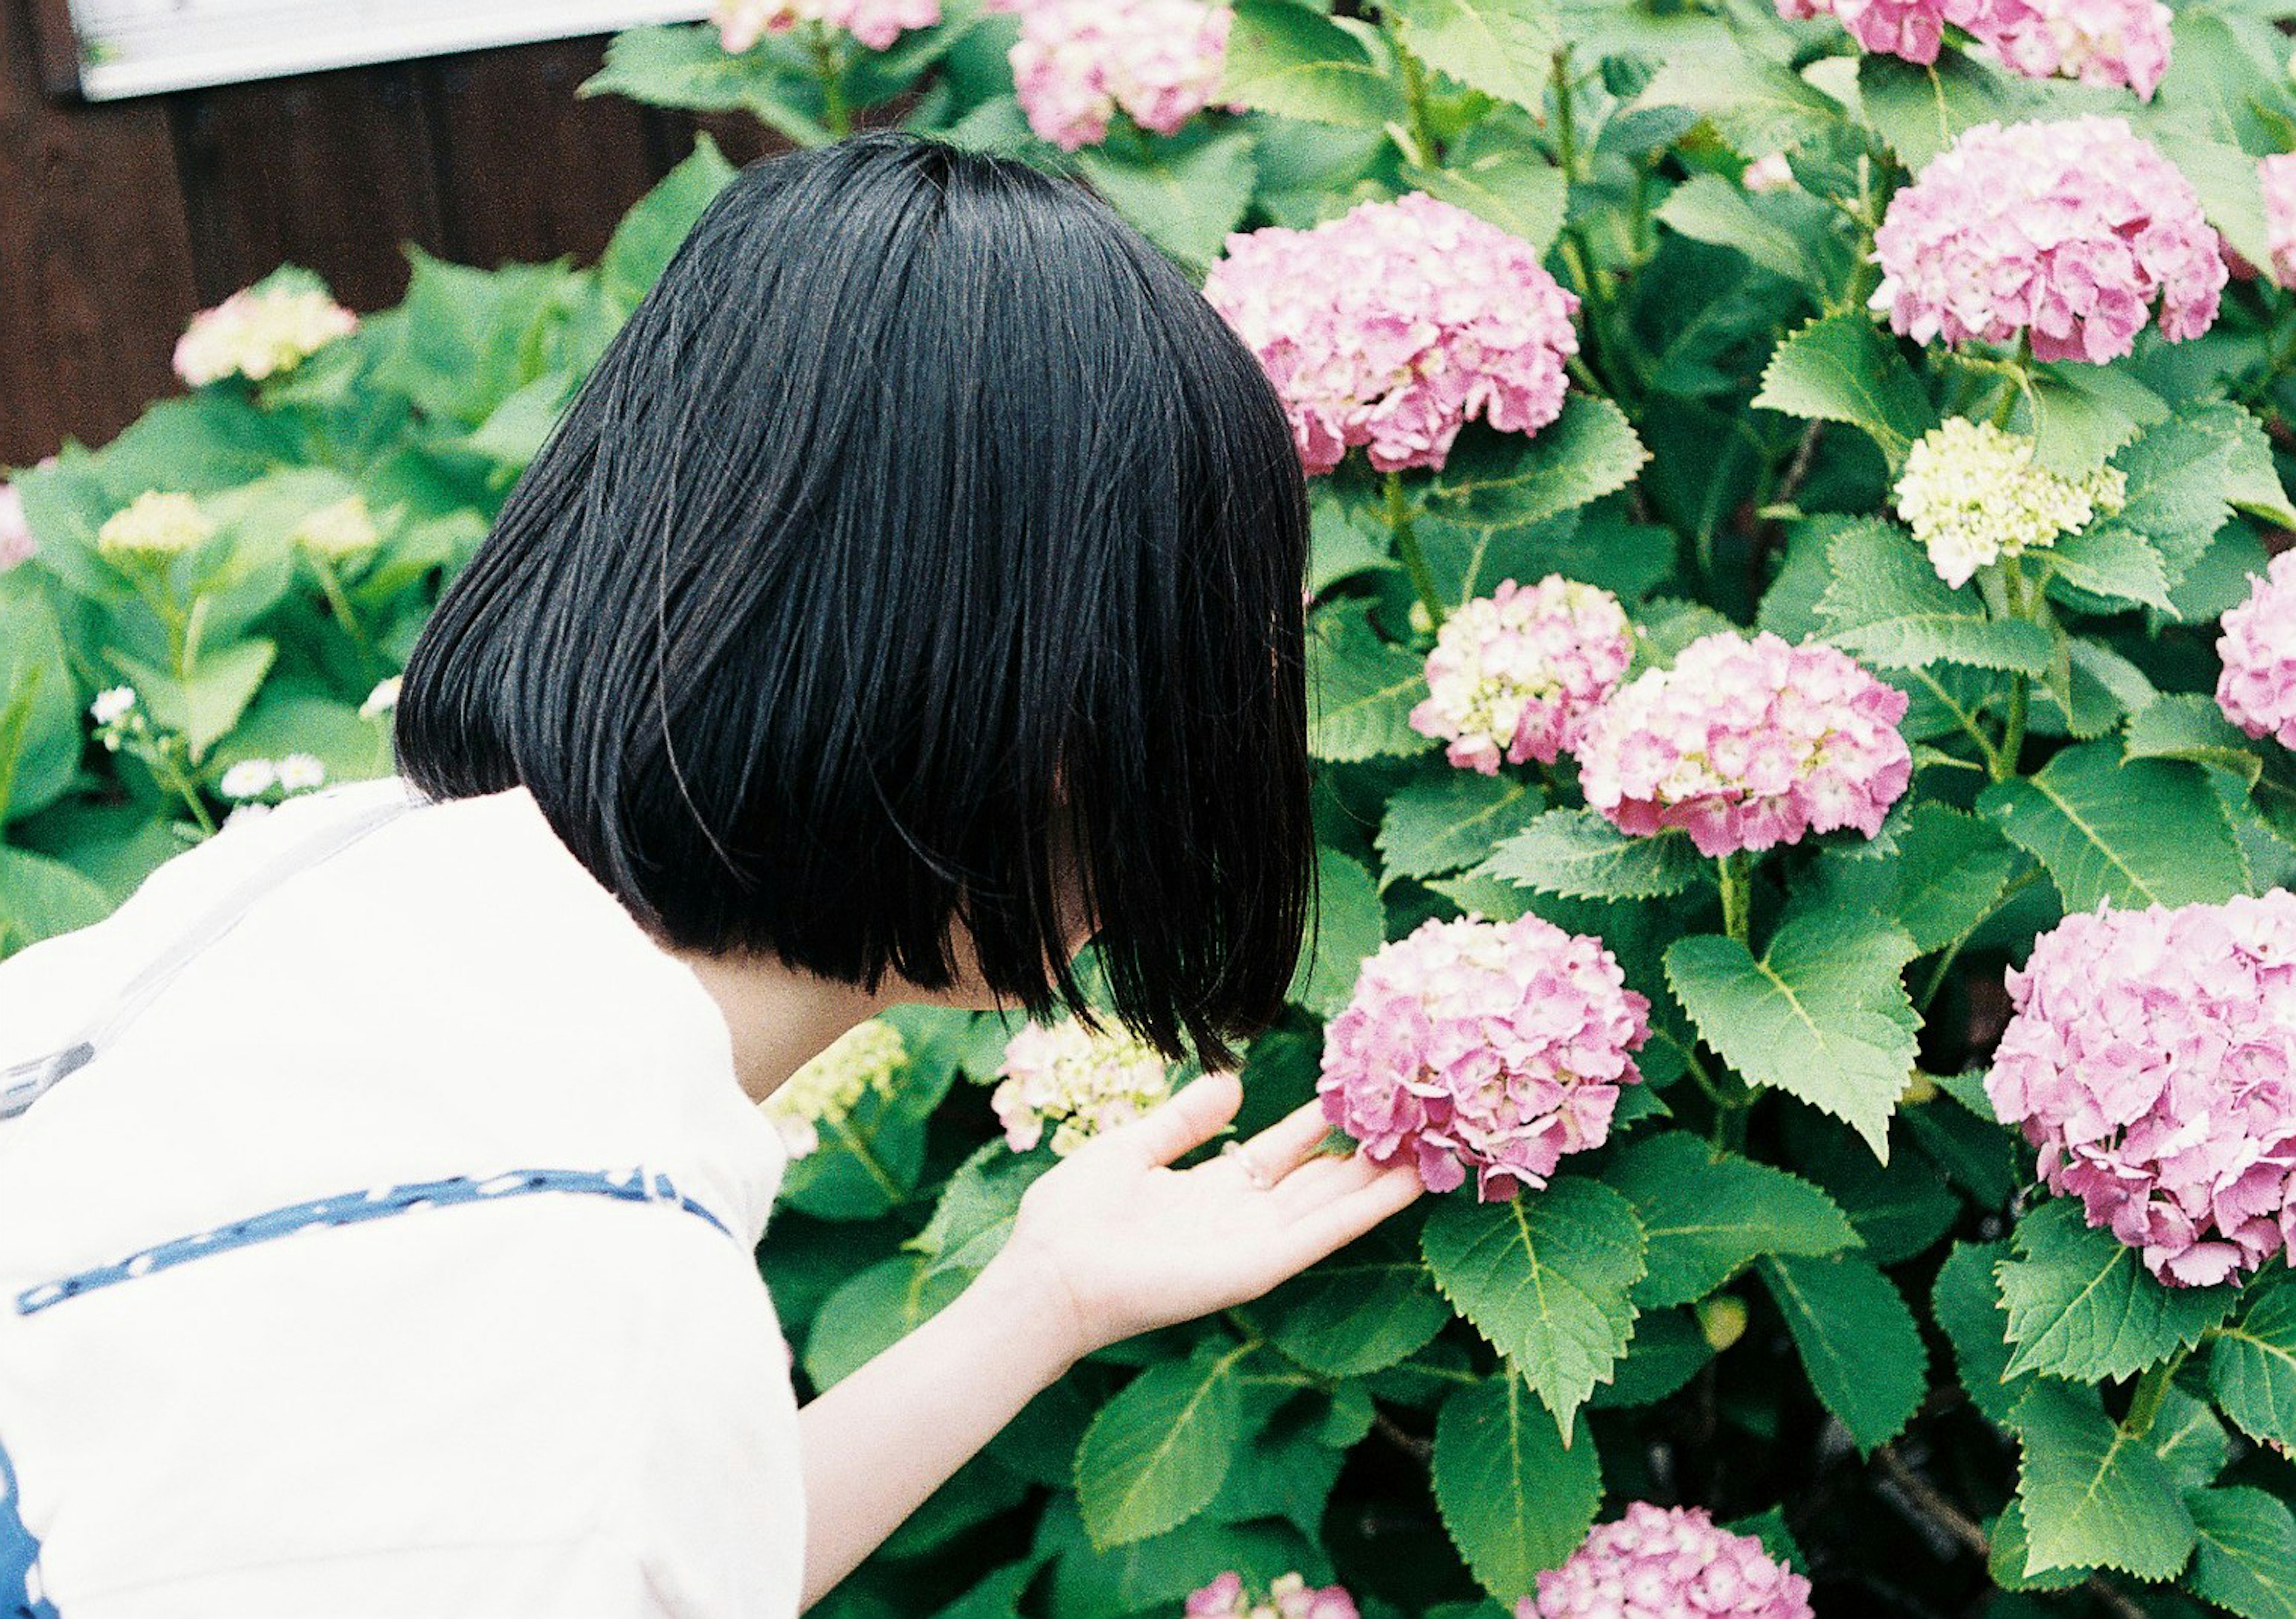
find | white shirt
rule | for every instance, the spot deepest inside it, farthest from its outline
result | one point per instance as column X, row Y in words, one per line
column 548, row 1407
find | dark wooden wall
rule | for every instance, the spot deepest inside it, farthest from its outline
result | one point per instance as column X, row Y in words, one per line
column 119, row 220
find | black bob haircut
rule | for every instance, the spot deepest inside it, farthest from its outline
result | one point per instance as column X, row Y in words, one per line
column 925, row 550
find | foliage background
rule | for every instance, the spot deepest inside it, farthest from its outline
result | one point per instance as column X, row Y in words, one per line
column 1938, row 1393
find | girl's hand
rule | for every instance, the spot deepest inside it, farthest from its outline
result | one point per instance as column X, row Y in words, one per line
column 1119, row 1243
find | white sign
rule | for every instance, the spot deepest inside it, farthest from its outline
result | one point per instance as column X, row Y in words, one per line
column 137, row 47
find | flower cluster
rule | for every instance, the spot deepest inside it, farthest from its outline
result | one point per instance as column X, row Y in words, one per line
column 112, row 710
column 2151, row 1058
column 1973, row 496
column 1484, row 1046
column 252, row 779
column 1078, row 60
column 154, row 526
column 1669, row 1563
column 261, row 331
column 1516, row 674
column 1911, row 28
column 340, row 533
column 2121, row 43
column 824, row 1090
column 1079, row 1082
column 875, row 23
column 16, row 542
column 1390, row 327
column 1747, row 744
column 2277, row 175
column 2256, row 687
column 1289, row 1596
column 2068, row 232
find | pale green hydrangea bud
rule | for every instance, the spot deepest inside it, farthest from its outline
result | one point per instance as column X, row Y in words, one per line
column 155, row 526
column 1972, row 496
column 1077, row 1083
column 340, row 533
column 861, row 1060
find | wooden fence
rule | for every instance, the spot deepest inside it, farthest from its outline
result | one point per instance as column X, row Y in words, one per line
column 118, row 221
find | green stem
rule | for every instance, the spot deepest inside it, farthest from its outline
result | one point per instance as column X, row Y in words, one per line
column 1566, row 122
column 339, row 601
column 1406, row 546
column 2151, row 1391
column 1737, row 896
column 834, row 113
column 1415, row 90
column 2021, row 686
column 172, row 778
column 868, row 1161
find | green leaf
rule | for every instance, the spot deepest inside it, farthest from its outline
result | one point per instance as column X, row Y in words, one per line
column 1759, row 107
column 2092, row 1496
column 1546, row 1277
column 1157, row 1454
column 1886, row 604
column 204, row 708
column 1943, row 880
column 1504, row 48
column 2230, row 190
column 40, row 898
column 1823, row 1015
column 1184, row 195
column 2253, row 1365
column 2188, row 725
column 2076, row 422
column 1669, row 1347
column 1350, row 924
column 2082, row 1305
column 2247, row 1561
column 1707, row 208
column 2110, row 565
column 1843, row 368
column 1448, row 822
column 2181, row 475
column 1361, row 689
column 1577, row 853
column 871, row 1311
column 1857, row 1339
column 976, row 1210
column 1587, row 451
column 1521, row 194
column 40, row 735
column 682, row 65
column 1920, row 110
column 1287, row 60
column 1705, row 1216
column 2149, row 831
column 1514, row 1498
column 652, row 233
column 1361, row 1310
column 1967, row 1303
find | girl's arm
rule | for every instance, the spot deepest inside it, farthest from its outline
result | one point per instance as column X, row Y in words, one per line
column 1108, row 1243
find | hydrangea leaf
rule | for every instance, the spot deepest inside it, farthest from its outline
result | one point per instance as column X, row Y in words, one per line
column 1669, row 1349
column 1758, row 106
column 2253, row 1365
column 1857, row 1338
column 1350, row 924
column 2082, row 1305
column 1284, row 1469
column 674, row 66
column 1546, row 1277
column 2180, row 473
column 2247, row 1559
column 1709, row 208
column 1843, row 368
column 1587, row 451
column 652, row 231
column 2225, row 179
column 1705, row 1216
column 2103, row 566
column 2189, row 725
column 1501, row 47
column 1886, row 604
column 1361, row 689
column 1967, row 1303
column 1292, row 62
column 2189, row 1439
column 40, row 732
column 1443, row 823
column 2148, row 831
column 1577, row 853
column 1522, row 195
column 2012, row 1546
column 1183, row 194
column 1900, row 1208
column 1945, row 879
column 204, row 707
column 40, row 897
column 1359, row 1312
column 2093, row 1497
column 870, row 1312
column 977, row 1207
column 1921, row 110
column 1823, row 1015
column 1157, row 1454
column 1514, row 1497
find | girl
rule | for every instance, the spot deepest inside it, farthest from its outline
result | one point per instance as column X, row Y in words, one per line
column 910, row 597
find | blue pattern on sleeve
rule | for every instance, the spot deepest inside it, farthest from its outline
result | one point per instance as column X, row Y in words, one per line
column 21, row 1595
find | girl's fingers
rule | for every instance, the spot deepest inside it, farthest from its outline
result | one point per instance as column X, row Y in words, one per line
column 1320, row 1180
column 1288, row 1142
column 1340, row 1221
column 1192, row 1116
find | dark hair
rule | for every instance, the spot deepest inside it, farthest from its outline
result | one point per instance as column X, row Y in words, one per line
column 923, row 536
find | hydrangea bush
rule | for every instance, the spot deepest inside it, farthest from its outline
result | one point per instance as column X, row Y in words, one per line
column 1803, row 701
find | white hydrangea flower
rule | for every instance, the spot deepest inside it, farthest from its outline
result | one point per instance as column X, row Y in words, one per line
column 1973, row 496
column 823, row 1091
column 260, row 331
column 1077, row 1082
column 155, row 525
column 383, row 699
column 340, row 533
column 112, row 704
column 301, row 772
column 248, row 779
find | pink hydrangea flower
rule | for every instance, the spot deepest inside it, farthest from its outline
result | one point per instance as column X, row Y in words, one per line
column 2151, row 1058
column 875, row 23
column 1669, row 1563
column 2256, row 687
column 16, row 542
column 1484, row 1046
column 1289, row 1597
column 1747, row 744
column 1517, row 674
column 1390, row 327
column 2067, row 232
column 1078, row 60
column 2120, row 43
column 2277, row 175
column 1910, row 29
